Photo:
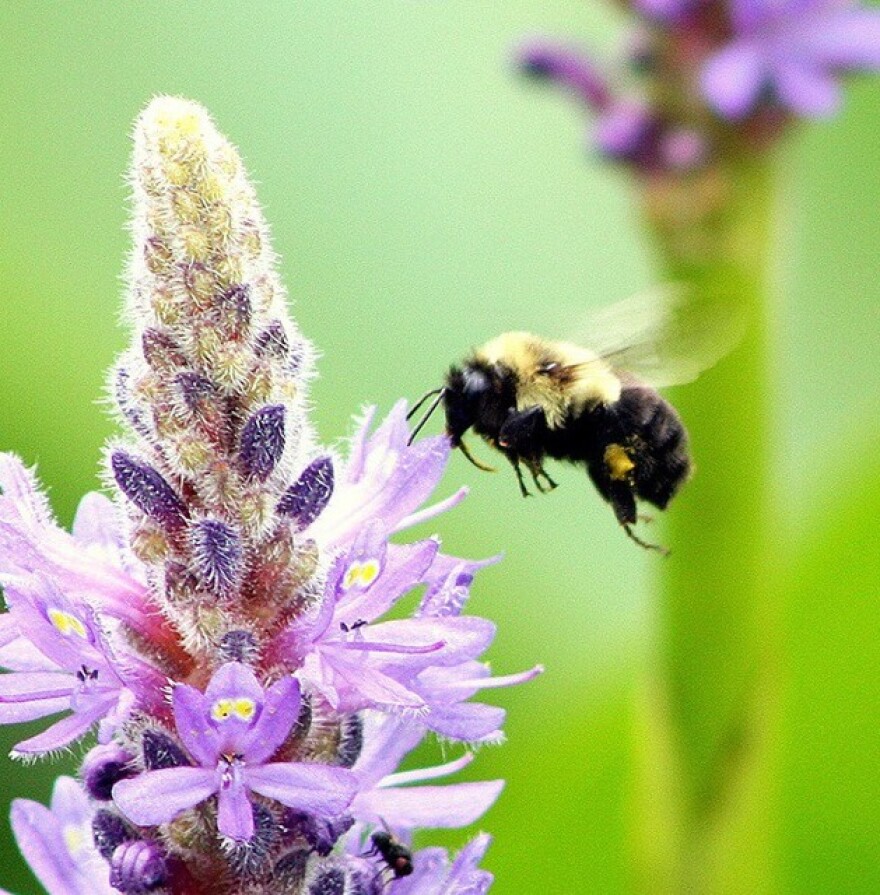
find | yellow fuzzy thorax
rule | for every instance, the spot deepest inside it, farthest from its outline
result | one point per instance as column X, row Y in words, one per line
column 591, row 380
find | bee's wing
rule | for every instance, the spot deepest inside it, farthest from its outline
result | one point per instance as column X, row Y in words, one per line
column 667, row 336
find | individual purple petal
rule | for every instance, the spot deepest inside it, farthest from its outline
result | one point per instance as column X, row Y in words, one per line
column 845, row 38
column 156, row 797
column 432, row 511
column 235, row 816
column 313, row 788
column 732, row 79
column 464, row 876
column 96, row 525
column 147, row 490
column 279, row 713
column 20, row 712
column 25, row 686
column 63, row 732
column 200, row 738
column 402, row 778
column 456, row 805
column 387, row 740
column 352, row 685
column 57, row 843
column 664, row 10
column 307, row 497
column 806, row 89
column 568, row 67
column 463, row 638
column 622, row 129
column 468, row 722
column 262, row 441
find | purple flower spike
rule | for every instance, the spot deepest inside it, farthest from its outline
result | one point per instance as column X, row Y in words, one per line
column 147, row 490
column 306, row 498
column 232, row 730
column 262, row 442
column 793, row 51
column 216, row 550
column 57, row 842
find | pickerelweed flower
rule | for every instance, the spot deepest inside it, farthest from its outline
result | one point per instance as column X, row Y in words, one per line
column 713, row 78
column 223, row 623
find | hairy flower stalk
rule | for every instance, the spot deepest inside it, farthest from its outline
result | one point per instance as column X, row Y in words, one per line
column 698, row 119
column 221, row 626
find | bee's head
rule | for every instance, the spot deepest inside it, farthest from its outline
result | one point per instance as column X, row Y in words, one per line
column 463, row 398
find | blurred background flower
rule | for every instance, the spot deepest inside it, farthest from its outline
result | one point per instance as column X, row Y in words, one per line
column 423, row 199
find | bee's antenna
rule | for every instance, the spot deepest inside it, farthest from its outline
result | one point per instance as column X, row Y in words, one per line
column 439, row 392
column 418, row 404
column 478, row 463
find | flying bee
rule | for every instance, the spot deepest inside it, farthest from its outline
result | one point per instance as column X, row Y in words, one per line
column 393, row 852
column 531, row 398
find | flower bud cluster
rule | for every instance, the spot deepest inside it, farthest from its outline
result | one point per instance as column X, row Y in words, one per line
column 707, row 79
column 222, row 625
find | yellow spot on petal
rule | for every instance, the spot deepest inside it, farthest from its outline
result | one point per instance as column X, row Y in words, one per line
column 74, row 838
column 241, row 707
column 67, row 624
column 361, row 574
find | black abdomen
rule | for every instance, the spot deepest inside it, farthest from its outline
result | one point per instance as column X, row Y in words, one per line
column 634, row 448
column 656, row 440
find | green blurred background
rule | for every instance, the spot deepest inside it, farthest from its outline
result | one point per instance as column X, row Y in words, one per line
column 423, row 198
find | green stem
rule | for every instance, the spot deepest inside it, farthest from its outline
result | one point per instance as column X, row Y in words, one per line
column 709, row 705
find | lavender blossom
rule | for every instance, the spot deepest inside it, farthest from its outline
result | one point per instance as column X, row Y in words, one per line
column 790, row 51
column 232, row 731
column 716, row 79
column 223, row 623
column 57, row 842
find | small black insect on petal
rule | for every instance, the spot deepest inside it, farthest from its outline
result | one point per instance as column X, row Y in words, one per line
column 306, row 498
column 160, row 751
column 262, row 442
column 147, row 490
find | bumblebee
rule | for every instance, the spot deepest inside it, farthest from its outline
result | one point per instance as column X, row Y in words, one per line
column 532, row 398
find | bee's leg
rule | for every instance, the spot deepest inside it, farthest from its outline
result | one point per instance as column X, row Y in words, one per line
column 663, row 551
column 537, row 470
column 514, row 461
column 623, row 503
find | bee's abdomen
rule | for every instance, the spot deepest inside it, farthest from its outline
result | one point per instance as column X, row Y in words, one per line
column 657, row 442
